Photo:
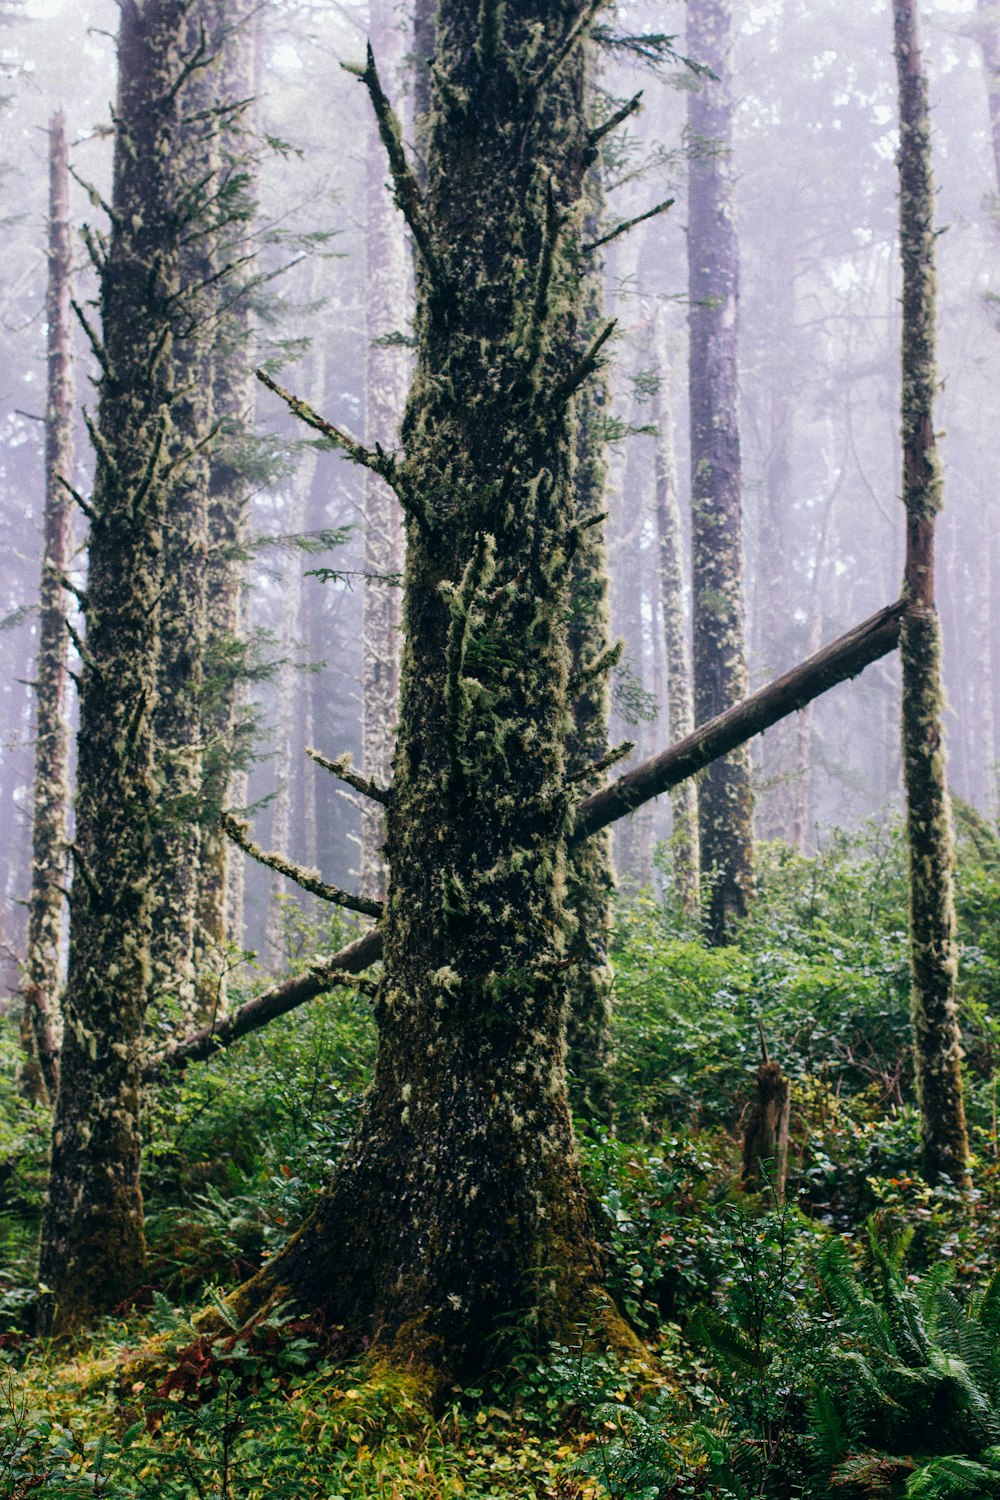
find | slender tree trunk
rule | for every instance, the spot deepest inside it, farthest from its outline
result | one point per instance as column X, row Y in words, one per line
column 801, row 800
column 41, row 1027
column 590, row 875
column 93, row 1250
column 289, row 679
column 720, row 674
column 684, row 843
column 932, row 914
column 227, row 716
column 459, row 1198
column 177, row 723
column 386, row 377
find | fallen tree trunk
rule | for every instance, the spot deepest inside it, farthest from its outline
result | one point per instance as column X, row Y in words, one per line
column 289, row 995
column 842, row 659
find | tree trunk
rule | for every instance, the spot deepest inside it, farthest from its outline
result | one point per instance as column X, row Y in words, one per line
column 93, row 1251
column 386, row 376
column 226, row 714
column 720, row 676
column 177, row 722
column 765, row 1136
column 684, row 842
column 41, row 1027
column 289, row 678
column 590, row 876
column 932, row 914
column 459, row 1200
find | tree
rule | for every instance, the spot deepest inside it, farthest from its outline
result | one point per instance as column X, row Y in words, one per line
column 937, row 1040
column 41, row 1029
column 685, row 846
column 92, row 1237
column 720, row 677
column 459, row 1198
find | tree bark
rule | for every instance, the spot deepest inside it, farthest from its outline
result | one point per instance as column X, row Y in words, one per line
column 590, row 876
column 386, row 378
column 720, row 676
column 183, row 619
column 944, row 1136
column 41, row 1024
column 226, row 716
column 459, row 1198
column 93, row 1250
column 684, row 841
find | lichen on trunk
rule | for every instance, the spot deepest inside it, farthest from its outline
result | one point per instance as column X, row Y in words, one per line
column 92, row 1252
column 937, row 1040
column 41, row 1023
column 459, row 1202
column 725, row 797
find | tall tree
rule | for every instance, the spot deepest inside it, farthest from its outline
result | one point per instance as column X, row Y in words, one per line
column 459, row 1196
column 932, row 913
column 720, row 673
column 92, row 1239
column 41, row 1028
column 684, row 843
column 386, row 376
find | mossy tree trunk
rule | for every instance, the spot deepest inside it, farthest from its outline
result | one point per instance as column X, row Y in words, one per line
column 720, row 676
column 93, row 1251
column 225, row 712
column 177, row 726
column 458, row 1200
column 590, row 876
column 386, row 378
column 684, row 842
column 41, row 1026
column 932, row 914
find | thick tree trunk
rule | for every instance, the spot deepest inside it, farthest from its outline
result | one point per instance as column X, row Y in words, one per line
column 226, row 715
column 720, row 675
column 41, row 1026
column 590, row 876
column 459, row 1198
column 92, row 1239
column 386, row 378
column 684, row 842
column 932, row 913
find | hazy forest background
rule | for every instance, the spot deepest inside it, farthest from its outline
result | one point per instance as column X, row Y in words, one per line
column 603, row 1194
column 819, row 385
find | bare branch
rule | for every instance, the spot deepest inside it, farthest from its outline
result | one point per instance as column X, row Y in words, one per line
column 341, row 768
column 309, row 880
column 618, row 118
column 625, row 226
column 377, row 461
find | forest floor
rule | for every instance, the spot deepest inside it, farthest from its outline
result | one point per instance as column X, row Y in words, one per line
column 846, row 1343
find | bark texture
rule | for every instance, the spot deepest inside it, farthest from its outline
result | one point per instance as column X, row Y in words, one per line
column 386, row 379
column 183, row 620
column 459, row 1199
column 41, row 1028
column 720, row 673
column 685, row 844
column 932, row 913
column 92, row 1251
column 225, row 713
column 590, row 877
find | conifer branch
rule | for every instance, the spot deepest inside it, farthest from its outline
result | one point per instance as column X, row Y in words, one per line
column 604, row 663
column 625, row 226
column 586, row 367
column 618, row 118
column 598, row 767
column 95, row 342
column 85, row 505
column 406, row 189
column 558, row 57
column 379, row 462
column 341, row 768
column 308, row 880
